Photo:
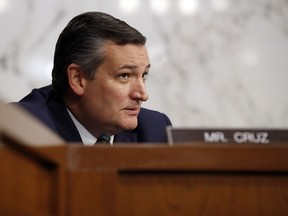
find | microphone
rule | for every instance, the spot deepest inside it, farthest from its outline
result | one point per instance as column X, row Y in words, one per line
column 103, row 138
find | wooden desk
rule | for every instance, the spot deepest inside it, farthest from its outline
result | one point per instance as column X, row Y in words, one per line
column 195, row 179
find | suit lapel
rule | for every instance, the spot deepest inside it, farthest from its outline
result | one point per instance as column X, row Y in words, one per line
column 60, row 115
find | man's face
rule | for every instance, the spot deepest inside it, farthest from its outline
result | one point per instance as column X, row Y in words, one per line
column 112, row 100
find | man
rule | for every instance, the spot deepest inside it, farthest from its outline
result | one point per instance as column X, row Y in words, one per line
column 98, row 84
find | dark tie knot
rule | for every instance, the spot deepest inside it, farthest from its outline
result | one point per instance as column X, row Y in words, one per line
column 103, row 138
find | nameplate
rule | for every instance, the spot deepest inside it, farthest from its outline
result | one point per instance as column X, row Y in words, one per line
column 223, row 135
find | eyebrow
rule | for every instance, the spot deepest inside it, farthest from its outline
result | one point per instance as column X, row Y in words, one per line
column 132, row 66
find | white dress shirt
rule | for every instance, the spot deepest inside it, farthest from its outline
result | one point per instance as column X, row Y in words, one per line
column 87, row 138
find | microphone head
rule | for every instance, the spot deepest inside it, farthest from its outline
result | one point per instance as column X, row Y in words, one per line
column 103, row 138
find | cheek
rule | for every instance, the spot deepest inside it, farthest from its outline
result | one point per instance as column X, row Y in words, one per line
column 109, row 93
column 116, row 94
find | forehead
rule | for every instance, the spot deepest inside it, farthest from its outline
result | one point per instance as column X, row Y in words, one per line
column 119, row 55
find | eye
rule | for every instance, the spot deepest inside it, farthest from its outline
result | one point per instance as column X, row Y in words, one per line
column 145, row 75
column 124, row 76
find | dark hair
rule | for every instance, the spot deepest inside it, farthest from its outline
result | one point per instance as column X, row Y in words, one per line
column 82, row 41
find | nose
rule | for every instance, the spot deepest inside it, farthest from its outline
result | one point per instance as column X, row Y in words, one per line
column 139, row 91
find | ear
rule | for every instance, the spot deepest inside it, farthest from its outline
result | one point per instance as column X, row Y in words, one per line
column 76, row 79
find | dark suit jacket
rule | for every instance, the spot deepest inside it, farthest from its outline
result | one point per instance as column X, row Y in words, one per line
column 44, row 105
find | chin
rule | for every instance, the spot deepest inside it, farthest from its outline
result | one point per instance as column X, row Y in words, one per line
column 130, row 125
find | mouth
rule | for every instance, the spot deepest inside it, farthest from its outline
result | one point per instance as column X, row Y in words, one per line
column 133, row 111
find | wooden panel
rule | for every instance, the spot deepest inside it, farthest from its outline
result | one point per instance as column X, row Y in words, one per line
column 32, row 178
column 202, row 194
column 92, row 193
column 179, row 180
column 184, row 157
column 27, row 185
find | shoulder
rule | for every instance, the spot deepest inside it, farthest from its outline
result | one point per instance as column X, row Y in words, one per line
column 37, row 96
column 51, row 110
column 36, row 103
column 152, row 126
column 147, row 115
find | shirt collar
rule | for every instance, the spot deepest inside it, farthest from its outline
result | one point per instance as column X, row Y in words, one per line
column 87, row 138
